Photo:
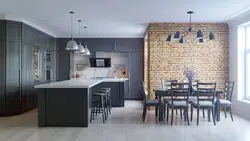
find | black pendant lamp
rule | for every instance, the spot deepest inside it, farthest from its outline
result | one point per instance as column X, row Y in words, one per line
column 177, row 35
column 181, row 40
column 211, row 36
column 169, row 39
column 199, row 34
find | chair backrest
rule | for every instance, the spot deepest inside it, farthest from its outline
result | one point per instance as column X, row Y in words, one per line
column 228, row 90
column 144, row 94
column 166, row 84
column 180, row 92
column 206, row 91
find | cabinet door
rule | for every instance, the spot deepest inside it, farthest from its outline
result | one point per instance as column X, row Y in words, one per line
column 2, row 30
column 13, row 87
column 13, row 31
column 28, row 92
column 135, row 74
column 2, row 77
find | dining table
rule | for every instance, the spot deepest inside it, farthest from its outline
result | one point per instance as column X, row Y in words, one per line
column 161, row 93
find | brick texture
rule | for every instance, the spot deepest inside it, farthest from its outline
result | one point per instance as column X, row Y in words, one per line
column 168, row 60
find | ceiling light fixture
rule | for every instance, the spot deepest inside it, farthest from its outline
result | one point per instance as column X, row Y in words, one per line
column 85, row 45
column 199, row 34
column 81, row 49
column 72, row 45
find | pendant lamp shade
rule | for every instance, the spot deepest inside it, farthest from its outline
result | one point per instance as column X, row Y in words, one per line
column 169, row 39
column 199, row 34
column 177, row 35
column 201, row 40
column 72, row 45
column 181, row 40
column 211, row 36
column 87, row 52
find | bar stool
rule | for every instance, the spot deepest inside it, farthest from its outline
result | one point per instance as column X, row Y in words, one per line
column 99, row 101
column 109, row 101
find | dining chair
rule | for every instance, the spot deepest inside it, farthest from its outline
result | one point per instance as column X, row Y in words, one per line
column 148, row 102
column 205, row 100
column 166, row 84
column 226, row 102
column 179, row 99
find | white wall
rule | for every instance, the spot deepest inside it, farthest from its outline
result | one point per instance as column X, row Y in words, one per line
column 117, row 59
column 236, row 60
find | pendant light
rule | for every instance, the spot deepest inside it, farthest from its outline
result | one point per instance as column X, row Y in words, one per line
column 81, row 49
column 85, row 45
column 72, row 45
column 199, row 33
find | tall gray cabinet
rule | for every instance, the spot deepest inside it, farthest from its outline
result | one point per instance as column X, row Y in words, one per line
column 17, row 67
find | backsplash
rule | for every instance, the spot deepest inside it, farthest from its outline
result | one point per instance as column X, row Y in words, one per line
column 119, row 66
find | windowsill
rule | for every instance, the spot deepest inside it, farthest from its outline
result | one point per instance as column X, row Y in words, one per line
column 245, row 101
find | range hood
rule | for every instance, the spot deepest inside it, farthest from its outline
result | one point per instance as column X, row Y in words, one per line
column 100, row 60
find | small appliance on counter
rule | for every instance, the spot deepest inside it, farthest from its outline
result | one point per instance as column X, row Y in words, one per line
column 100, row 62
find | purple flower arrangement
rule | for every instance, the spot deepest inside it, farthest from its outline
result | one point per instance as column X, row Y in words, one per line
column 190, row 74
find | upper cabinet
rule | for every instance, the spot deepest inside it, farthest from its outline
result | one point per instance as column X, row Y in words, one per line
column 128, row 45
column 13, row 31
column 100, row 44
column 2, row 30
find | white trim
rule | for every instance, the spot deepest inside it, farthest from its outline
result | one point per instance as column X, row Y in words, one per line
column 28, row 22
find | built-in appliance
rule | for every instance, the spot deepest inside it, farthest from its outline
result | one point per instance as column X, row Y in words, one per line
column 100, row 62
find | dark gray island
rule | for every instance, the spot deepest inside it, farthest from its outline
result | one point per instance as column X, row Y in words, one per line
column 67, row 103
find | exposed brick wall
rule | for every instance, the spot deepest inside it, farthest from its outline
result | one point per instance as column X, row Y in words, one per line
column 168, row 60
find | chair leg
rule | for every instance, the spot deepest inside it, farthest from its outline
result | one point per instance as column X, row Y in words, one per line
column 181, row 113
column 164, row 113
column 172, row 116
column 167, row 113
column 208, row 114
column 203, row 113
column 213, row 115
column 186, row 113
column 198, row 115
column 144, row 112
column 192, row 108
column 231, row 114
column 225, row 111
column 156, row 111
column 103, row 113
column 91, row 114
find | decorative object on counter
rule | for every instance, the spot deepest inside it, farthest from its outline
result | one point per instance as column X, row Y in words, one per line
column 199, row 34
column 72, row 45
column 190, row 74
column 86, row 45
column 81, row 49
column 77, row 75
column 81, row 67
column 119, row 71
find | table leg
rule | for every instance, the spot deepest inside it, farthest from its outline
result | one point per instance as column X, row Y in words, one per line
column 160, row 109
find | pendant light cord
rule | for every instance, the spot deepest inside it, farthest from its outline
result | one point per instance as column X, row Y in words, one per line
column 71, row 24
column 190, row 21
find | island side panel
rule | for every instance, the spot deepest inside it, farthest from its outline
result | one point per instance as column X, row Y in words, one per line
column 122, row 93
column 41, row 107
column 67, row 107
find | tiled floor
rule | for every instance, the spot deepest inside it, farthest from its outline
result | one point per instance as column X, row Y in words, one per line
column 125, row 125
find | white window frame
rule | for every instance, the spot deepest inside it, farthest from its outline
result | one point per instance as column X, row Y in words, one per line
column 247, row 55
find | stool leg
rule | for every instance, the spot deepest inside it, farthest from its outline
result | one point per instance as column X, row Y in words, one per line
column 103, row 112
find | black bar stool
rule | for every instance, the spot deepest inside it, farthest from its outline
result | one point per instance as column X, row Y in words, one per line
column 99, row 101
column 109, row 101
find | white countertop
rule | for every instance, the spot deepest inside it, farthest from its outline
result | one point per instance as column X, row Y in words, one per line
column 79, row 83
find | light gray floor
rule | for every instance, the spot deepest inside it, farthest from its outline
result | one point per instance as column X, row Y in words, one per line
column 125, row 125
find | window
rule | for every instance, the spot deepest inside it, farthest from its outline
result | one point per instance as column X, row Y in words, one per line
column 247, row 63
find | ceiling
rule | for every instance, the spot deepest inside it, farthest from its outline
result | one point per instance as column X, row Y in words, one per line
column 118, row 18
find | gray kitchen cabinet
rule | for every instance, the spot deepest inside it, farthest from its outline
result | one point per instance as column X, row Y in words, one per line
column 128, row 45
column 2, row 30
column 135, row 74
column 13, row 31
column 2, row 77
column 17, row 43
column 13, row 78
column 99, row 44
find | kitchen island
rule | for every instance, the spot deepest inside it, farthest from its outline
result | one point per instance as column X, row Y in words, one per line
column 67, row 103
